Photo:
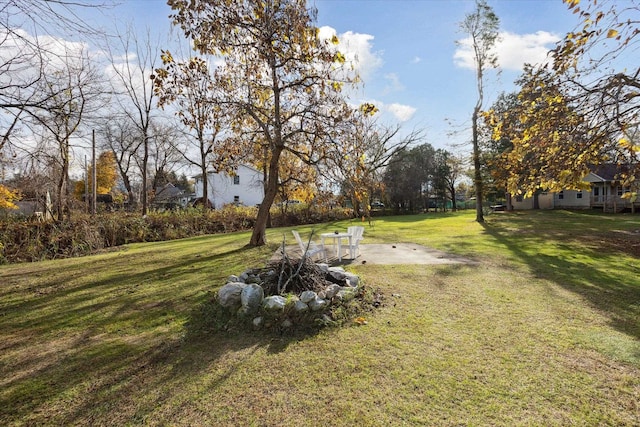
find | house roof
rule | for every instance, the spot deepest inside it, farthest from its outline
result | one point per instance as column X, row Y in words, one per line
column 609, row 172
column 251, row 168
column 169, row 191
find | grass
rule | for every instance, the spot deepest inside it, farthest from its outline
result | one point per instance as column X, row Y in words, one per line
column 545, row 330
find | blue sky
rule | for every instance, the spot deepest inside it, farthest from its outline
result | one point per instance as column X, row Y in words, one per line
column 407, row 55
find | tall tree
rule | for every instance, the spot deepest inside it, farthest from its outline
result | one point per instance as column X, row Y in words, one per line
column 498, row 145
column 597, row 69
column 189, row 85
column 365, row 148
column 544, row 140
column 25, row 55
column 120, row 136
column 132, row 83
column 481, row 27
column 582, row 109
column 278, row 78
column 408, row 177
column 73, row 89
column 163, row 153
column 106, row 175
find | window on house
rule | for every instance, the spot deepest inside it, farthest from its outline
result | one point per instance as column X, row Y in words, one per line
column 579, row 195
column 596, row 191
column 561, row 195
column 236, row 199
column 519, row 198
column 236, row 179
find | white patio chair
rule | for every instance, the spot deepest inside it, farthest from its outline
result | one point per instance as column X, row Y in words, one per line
column 357, row 235
column 310, row 249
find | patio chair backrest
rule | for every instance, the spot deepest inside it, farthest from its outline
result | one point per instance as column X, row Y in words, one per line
column 309, row 249
column 357, row 232
column 303, row 247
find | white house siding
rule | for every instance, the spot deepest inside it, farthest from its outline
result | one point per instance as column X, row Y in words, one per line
column 568, row 199
column 572, row 199
column 247, row 189
column 520, row 202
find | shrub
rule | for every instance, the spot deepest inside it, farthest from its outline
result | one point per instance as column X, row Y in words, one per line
column 27, row 240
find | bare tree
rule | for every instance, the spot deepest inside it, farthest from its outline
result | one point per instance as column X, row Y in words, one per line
column 360, row 153
column 134, row 88
column 73, row 89
column 24, row 54
column 120, row 137
column 200, row 110
column 164, row 152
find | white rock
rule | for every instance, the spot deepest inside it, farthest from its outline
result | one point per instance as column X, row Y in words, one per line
column 300, row 306
column 251, row 298
column 229, row 294
column 352, row 280
column 274, row 303
column 308, row 296
column 332, row 290
column 317, row 304
column 323, row 267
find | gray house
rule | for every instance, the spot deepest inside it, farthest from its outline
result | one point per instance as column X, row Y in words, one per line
column 606, row 192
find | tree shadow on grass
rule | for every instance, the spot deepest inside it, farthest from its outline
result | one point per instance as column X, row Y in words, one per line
column 602, row 288
column 202, row 357
column 110, row 353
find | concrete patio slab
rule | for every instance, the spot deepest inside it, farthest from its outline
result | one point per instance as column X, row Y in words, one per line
column 389, row 253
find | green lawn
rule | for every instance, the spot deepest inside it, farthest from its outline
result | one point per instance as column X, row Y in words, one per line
column 544, row 330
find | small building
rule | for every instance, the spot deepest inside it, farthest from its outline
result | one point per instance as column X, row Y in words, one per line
column 243, row 187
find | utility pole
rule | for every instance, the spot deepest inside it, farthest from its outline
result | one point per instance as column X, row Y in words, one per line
column 94, row 185
column 87, row 201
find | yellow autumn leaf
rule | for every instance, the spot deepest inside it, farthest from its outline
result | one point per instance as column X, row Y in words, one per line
column 360, row 321
column 612, row 33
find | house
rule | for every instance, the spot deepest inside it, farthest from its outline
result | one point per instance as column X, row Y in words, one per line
column 605, row 192
column 244, row 187
column 170, row 197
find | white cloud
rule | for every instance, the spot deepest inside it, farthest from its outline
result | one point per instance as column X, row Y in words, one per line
column 401, row 112
column 416, row 59
column 357, row 49
column 21, row 49
column 394, row 84
column 514, row 50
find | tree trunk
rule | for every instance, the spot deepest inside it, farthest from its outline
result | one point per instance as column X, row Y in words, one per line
column 454, row 205
column 477, row 175
column 205, row 187
column 258, row 237
column 145, row 161
column 59, row 196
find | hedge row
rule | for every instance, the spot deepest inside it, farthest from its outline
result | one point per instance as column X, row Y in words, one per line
column 28, row 241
